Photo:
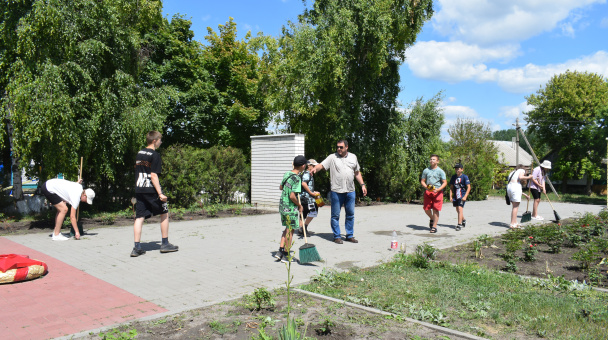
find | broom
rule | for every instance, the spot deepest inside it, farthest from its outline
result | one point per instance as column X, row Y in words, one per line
column 308, row 252
column 527, row 216
column 557, row 218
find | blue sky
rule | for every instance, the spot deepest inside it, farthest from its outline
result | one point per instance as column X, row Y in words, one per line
column 485, row 55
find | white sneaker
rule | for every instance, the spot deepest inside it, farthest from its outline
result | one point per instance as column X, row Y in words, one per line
column 538, row 218
column 59, row 237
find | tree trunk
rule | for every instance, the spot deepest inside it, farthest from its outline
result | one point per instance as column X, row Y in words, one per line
column 564, row 183
column 588, row 186
column 15, row 169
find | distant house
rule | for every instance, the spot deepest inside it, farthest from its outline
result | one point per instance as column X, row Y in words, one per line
column 507, row 155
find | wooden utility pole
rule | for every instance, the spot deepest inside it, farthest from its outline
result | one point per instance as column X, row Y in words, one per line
column 516, row 141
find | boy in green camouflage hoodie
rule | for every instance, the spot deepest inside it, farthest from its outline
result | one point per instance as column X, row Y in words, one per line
column 289, row 206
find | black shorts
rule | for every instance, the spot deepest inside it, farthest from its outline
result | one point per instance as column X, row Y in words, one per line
column 535, row 193
column 149, row 205
column 458, row 203
column 53, row 198
column 309, row 207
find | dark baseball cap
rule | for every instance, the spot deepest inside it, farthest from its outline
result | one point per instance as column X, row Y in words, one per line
column 458, row 166
column 299, row 160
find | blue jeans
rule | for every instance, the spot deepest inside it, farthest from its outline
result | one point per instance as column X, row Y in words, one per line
column 337, row 200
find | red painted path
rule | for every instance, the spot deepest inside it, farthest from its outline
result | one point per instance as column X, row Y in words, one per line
column 65, row 301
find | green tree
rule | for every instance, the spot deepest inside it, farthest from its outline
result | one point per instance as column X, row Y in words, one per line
column 399, row 173
column 469, row 144
column 71, row 88
column 176, row 63
column 569, row 116
column 240, row 72
column 337, row 76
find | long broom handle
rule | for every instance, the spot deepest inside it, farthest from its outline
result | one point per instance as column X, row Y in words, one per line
column 79, row 178
column 528, row 204
column 536, row 159
column 302, row 220
column 549, row 201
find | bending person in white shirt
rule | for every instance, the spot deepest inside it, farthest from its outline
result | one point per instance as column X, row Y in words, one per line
column 60, row 192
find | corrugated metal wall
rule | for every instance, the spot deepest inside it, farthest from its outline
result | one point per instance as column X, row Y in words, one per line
column 271, row 157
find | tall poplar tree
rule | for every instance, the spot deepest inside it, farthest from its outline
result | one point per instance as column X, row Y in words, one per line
column 569, row 116
column 338, row 75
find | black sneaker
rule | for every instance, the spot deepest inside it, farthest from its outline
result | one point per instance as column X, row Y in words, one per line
column 300, row 232
column 284, row 258
column 168, row 248
column 458, row 227
column 464, row 223
column 278, row 255
column 136, row 252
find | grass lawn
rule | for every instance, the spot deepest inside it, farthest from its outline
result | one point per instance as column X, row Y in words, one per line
column 472, row 299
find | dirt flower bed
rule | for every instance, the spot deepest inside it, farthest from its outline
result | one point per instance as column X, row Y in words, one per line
column 266, row 312
column 13, row 225
column 575, row 249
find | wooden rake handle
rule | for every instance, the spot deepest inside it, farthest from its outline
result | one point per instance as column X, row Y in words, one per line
column 79, row 178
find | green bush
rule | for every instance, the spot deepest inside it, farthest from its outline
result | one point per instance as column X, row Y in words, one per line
column 181, row 176
column 470, row 146
column 188, row 171
column 224, row 172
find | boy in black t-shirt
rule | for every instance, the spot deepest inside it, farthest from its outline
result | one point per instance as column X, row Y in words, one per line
column 149, row 195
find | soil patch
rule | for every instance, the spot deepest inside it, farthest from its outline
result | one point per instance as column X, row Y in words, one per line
column 555, row 264
column 321, row 319
column 21, row 227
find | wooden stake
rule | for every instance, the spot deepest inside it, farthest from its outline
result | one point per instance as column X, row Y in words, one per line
column 79, row 178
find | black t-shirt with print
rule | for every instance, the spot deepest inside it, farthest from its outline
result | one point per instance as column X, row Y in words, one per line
column 147, row 162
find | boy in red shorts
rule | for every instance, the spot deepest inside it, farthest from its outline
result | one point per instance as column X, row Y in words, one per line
column 434, row 181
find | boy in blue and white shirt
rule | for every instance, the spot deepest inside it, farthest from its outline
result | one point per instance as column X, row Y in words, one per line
column 460, row 186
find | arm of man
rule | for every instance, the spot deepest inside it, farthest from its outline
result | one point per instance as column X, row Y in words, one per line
column 360, row 180
column 156, row 184
column 451, row 190
column 423, row 182
column 73, row 219
column 317, row 168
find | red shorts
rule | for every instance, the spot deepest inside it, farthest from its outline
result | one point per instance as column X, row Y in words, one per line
column 433, row 200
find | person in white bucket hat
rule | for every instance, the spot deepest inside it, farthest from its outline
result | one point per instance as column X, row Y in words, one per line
column 537, row 186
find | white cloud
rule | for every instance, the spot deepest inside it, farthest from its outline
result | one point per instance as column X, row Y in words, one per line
column 206, row 17
column 489, row 22
column 456, row 62
column 459, row 111
column 515, row 111
column 604, row 23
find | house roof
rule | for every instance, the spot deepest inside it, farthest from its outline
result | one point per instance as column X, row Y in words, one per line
column 506, row 154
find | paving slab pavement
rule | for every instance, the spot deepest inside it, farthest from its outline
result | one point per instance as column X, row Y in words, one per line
column 221, row 259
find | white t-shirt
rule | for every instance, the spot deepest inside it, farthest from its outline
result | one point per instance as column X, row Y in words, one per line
column 342, row 171
column 514, row 175
column 69, row 191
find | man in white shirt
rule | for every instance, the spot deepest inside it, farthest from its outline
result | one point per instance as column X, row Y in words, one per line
column 60, row 192
column 343, row 169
